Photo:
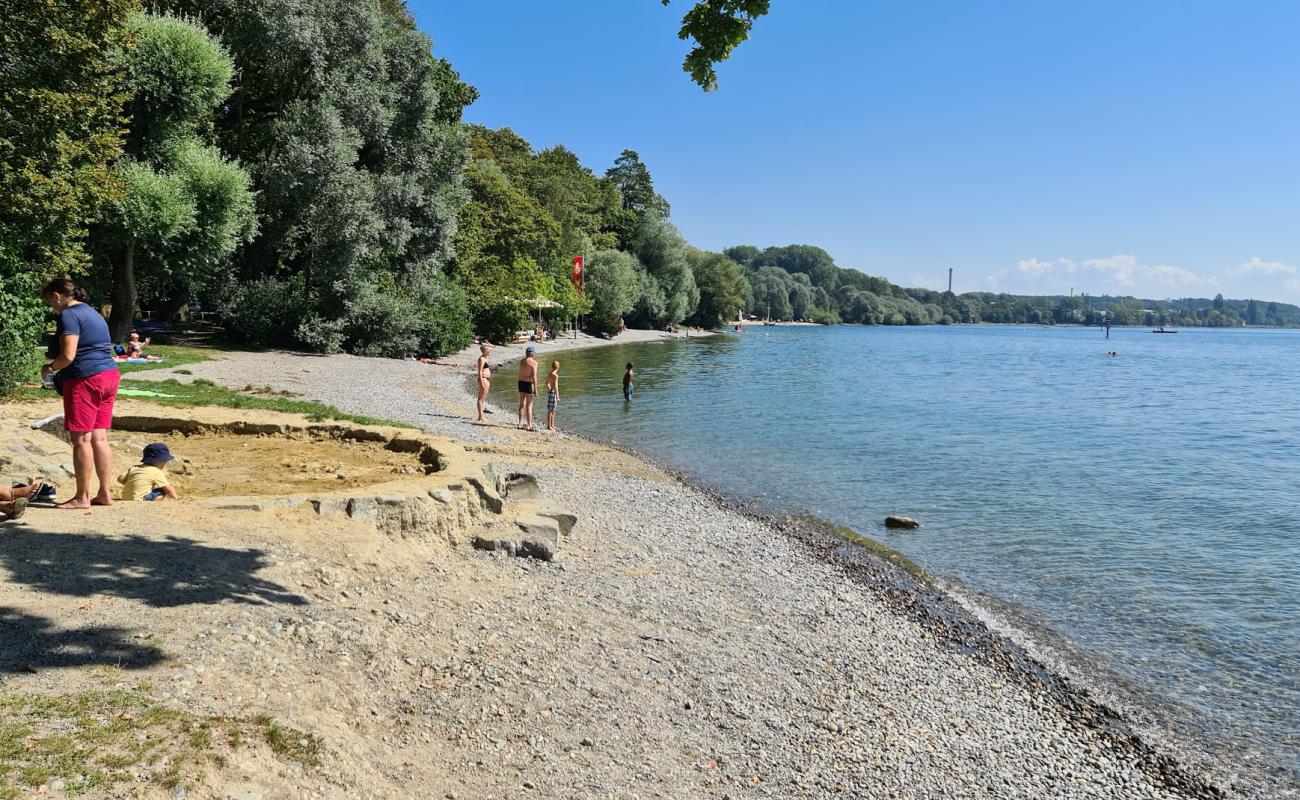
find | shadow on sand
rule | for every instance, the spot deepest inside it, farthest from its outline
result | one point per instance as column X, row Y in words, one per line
column 29, row 643
column 162, row 573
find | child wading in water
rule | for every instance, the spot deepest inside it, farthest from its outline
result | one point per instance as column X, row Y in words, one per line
column 627, row 383
column 552, row 394
column 527, row 389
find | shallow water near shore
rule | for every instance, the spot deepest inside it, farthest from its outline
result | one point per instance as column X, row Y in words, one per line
column 1143, row 507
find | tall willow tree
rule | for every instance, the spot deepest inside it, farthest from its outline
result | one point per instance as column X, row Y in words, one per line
column 350, row 128
column 183, row 207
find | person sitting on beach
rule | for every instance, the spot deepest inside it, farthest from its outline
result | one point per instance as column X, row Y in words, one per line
column 148, row 480
column 527, row 389
column 484, row 378
column 552, row 394
column 622, row 326
column 627, row 383
column 13, row 501
column 135, row 347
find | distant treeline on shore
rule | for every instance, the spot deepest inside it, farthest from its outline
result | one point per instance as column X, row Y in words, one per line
column 802, row 282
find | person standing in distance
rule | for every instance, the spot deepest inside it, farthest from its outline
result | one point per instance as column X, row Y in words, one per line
column 484, row 378
column 88, row 380
column 527, row 389
column 627, row 383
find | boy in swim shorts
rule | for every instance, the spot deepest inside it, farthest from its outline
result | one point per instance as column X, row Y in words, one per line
column 552, row 394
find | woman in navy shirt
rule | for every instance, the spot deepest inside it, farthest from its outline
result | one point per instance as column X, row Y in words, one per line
column 88, row 379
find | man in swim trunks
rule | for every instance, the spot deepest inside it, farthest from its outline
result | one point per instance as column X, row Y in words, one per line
column 527, row 389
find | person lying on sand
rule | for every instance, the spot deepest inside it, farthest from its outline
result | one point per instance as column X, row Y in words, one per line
column 13, row 501
column 148, row 480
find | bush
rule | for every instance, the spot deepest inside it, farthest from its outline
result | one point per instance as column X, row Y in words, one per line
column 22, row 320
column 425, row 316
column 269, row 312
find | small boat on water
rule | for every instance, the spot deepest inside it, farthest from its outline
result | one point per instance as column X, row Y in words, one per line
column 1161, row 329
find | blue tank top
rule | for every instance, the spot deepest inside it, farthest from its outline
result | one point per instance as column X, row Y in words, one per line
column 94, row 347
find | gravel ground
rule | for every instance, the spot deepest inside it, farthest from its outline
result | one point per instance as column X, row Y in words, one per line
column 679, row 649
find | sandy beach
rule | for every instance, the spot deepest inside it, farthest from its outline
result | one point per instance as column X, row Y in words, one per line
column 675, row 647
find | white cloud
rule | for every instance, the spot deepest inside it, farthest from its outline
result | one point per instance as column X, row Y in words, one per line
column 1034, row 267
column 1120, row 270
column 1172, row 276
column 1124, row 273
column 1256, row 265
column 925, row 282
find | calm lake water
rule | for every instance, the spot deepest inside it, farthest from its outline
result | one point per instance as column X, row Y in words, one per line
column 1143, row 507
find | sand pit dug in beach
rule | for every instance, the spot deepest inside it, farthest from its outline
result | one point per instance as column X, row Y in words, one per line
column 216, row 464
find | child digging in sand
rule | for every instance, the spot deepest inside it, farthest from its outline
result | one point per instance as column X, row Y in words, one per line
column 148, row 480
column 552, row 394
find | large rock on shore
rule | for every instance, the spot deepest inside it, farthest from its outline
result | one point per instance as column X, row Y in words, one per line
column 901, row 522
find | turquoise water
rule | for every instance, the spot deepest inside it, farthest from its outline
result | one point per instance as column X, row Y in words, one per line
column 1144, row 507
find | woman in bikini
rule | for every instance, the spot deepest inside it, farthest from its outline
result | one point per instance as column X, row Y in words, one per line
column 484, row 378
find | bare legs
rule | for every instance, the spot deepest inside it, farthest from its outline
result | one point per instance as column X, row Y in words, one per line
column 91, row 453
column 482, row 397
column 525, row 412
column 550, row 419
column 103, row 466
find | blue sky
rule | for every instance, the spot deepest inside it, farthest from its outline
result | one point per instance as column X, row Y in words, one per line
column 1148, row 148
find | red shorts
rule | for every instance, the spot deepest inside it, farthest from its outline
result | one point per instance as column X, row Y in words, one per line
column 88, row 402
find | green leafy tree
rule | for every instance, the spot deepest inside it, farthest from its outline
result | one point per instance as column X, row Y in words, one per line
column 746, row 255
column 499, row 296
column 613, row 284
column 669, row 293
column 722, row 288
column 350, row 128
column 717, row 27
column 502, row 224
column 587, row 207
column 636, row 189
column 60, row 129
column 183, row 207
column 771, row 288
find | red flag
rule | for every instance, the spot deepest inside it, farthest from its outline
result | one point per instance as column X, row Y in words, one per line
column 577, row 272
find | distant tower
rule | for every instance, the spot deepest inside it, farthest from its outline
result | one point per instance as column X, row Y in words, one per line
column 949, row 280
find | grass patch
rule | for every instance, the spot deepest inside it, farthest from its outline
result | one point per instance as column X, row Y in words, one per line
column 206, row 393
column 177, row 356
column 98, row 739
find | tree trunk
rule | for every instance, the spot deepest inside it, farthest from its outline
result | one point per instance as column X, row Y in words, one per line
column 176, row 306
column 124, row 295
